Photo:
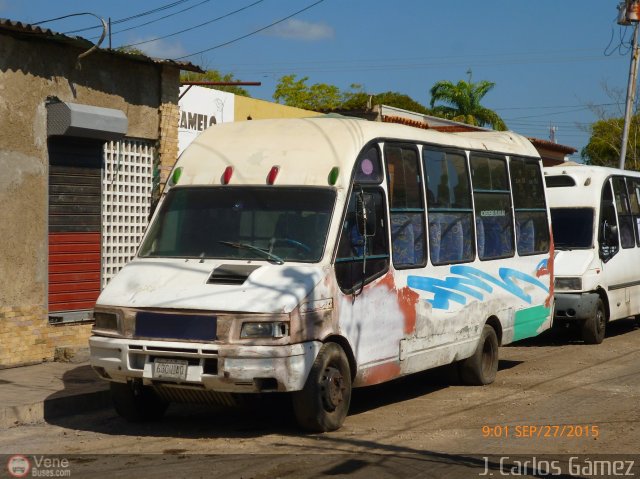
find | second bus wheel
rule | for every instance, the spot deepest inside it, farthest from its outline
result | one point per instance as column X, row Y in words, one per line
column 482, row 366
column 593, row 328
column 323, row 403
column 137, row 403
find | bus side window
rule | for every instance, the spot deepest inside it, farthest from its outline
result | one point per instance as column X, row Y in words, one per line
column 405, row 206
column 451, row 238
column 608, row 227
column 356, row 251
column 633, row 187
column 532, row 225
column 625, row 220
column 494, row 220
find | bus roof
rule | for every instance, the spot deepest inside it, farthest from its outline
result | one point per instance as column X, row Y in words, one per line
column 574, row 185
column 306, row 149
column 581, row 171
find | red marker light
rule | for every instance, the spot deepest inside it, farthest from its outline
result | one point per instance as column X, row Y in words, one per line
column 273, row 174
column 226, row 176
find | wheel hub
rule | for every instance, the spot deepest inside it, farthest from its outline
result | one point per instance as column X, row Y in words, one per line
column 332, row 388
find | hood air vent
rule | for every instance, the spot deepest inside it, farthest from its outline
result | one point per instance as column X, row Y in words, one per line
column 235, row 274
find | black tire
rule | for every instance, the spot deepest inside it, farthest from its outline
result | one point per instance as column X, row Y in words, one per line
column 323, row 403
column 593, row 328
column 481, row 368
column 137, row 403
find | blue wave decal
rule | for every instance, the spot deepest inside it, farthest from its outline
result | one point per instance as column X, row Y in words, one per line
column 469, row 281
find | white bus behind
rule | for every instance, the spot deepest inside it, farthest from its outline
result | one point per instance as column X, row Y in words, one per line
column 595, row 215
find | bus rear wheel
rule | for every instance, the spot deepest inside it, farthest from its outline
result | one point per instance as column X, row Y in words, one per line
column 593, row 328
column 323, row 403
column 482, row 366
column 137, row 403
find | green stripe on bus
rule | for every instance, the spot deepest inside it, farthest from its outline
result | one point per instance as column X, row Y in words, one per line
column 528, row 321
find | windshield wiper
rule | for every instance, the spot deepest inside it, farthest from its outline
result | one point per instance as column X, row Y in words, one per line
column 265, row 254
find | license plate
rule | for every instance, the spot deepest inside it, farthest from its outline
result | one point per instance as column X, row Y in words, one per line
column 164, row 368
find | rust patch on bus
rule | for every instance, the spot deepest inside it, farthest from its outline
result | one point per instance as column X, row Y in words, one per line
column 379, row 374
column 408, row 301
column 549, row 270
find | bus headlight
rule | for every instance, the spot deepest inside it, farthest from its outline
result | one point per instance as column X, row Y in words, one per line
column 275, row 329
column 105, row 322
column 568, row 284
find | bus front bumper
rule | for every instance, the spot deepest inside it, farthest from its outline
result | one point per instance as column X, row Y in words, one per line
column 575, row 306
column 229, row 368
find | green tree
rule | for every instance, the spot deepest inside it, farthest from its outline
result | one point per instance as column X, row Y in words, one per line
column 322, row 97
column 297, row 93
column 358, row 99
column 604, row 144
column 462, row 103
column 215, row 76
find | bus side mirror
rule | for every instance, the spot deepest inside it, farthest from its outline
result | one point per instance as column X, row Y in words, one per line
column 366, row 214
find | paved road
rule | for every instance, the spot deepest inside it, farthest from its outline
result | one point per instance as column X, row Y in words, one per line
column 551, row 396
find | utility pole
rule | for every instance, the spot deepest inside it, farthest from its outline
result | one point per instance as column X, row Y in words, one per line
column 629, row 11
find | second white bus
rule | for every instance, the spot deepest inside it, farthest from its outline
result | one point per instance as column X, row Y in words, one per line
column 595, row 214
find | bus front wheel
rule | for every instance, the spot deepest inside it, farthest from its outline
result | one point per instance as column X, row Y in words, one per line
column 481, row 368
column 593, row 328
column 323, row 403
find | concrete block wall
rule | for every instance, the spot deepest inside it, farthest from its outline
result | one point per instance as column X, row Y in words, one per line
column 26, row 337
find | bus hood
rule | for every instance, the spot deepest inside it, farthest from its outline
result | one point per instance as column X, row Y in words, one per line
column 573, row 262
column 191, row 284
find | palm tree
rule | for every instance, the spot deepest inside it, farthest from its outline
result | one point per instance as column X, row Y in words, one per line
column 463, row 103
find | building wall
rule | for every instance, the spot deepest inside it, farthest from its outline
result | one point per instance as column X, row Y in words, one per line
column 31, row 70
column 254, row 109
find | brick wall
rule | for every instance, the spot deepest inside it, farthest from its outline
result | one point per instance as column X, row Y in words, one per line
column 26, row 337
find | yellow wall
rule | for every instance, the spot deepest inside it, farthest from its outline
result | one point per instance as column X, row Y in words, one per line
column 261, row 110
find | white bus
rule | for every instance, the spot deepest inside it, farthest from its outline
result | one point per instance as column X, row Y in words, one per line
column 317, row 255
column 595, row 215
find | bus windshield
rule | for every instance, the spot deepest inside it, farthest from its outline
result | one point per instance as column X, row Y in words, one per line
column 242, row 223
column 572, row 228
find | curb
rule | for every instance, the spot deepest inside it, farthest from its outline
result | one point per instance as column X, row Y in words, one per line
column 54, row 408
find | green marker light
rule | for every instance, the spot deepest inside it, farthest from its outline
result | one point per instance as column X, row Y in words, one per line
column 333, row 175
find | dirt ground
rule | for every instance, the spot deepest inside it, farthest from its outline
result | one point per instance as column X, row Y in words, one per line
column 552, row 396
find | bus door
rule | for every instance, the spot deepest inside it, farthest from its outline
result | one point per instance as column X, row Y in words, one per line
column 618, row 247
column 369, row 314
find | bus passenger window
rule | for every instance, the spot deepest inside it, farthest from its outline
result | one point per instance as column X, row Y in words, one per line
column 451, row 238
column 625, row 219
column 633, row 187
column 356, row 251
column 494, row 220
column 532, row 225
column 608, row 229
column 405, row 206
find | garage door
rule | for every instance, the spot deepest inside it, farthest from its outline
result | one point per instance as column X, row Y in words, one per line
column 75, row 168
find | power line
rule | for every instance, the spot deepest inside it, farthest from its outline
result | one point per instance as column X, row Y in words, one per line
column 161, row 18
column 553, row 107
column 194, row 27
column 250, row 34
column 353, row 66
column 122, row 20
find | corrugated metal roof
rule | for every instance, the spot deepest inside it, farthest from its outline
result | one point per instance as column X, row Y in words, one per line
column 26, row 31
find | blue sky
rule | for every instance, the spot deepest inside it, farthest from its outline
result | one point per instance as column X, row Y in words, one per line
column 551, row 60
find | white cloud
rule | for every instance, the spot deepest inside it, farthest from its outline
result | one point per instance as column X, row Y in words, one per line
column 161, row 48
column 301, row 30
